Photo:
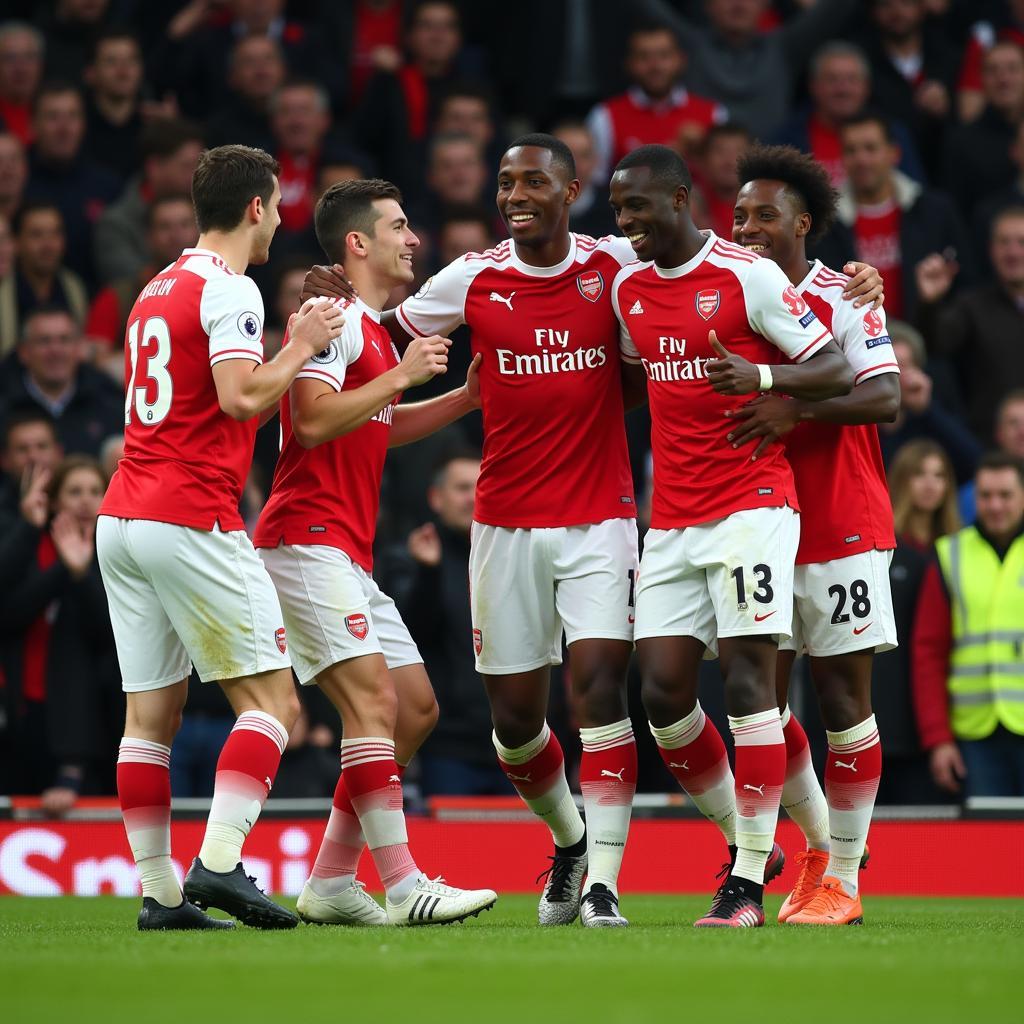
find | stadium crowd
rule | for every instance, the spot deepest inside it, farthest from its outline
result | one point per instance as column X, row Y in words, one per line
column 916, row 107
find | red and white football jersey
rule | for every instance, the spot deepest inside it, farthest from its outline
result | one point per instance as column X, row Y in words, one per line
column 838, row 469
column 185, row 460
column 554, row 439
column 665, row 317
column 330, row 494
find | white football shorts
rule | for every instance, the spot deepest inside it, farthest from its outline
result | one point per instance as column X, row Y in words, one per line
column 730, row 577
column 334, row 610
column 528, row 585
column 180, row 597
column 843, row 606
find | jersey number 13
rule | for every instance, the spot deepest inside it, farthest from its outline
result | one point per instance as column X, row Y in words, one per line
column 149, row 367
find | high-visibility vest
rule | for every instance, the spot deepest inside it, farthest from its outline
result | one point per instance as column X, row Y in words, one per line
column 986, row 672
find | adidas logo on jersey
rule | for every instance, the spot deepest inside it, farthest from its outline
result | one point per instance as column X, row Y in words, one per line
column 636, row 308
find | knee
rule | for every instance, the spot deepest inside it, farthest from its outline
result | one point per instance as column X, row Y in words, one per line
column 287, row 709
column 515, row 726
column 748, row 689
column 599, row 697
column 426, row 716
column 664, row 700
column 841, row 708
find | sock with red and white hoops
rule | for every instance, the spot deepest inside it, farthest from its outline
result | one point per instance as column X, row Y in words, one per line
column 852, row 774
column 245, row 773
column 537, row 770
column 144, row 791
column 374, row 786
column 760, row 774
column 694, row 752
column 802, row 795
column 608, row 782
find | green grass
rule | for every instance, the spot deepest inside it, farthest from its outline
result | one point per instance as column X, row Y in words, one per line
column 934, row 960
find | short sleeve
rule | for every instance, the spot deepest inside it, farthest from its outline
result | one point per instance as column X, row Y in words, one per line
column 777, row 311
column 627, row 348
column 863, row 336
column 440, row 305
column 231, row 312
column 330, row 365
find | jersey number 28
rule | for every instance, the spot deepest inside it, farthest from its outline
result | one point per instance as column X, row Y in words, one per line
column 154, row 379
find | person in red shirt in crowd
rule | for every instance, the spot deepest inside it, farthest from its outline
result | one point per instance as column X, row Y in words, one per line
column 1006, row 26
column 656, row 107
column 21, row 70
column 716, row 179
column 184, row 583
column 171, row 228
column 888, row 220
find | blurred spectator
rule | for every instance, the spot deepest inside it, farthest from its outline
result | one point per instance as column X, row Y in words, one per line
column 300, row 117
column 656, row 108
column 341, row 163
column 750, row 71
column 375, row 30
column 111, row 453
column 170, row 151
column 466, row 109
column 969, row 654
column 1009, row 437
column 6, row 247
column 839, row 85
column 114, row 117
column 401, row 101
column 21, row 69
column 1004, row 24
column 40, row 277
column 465, row 229
column 886, row 219
column 591, row 214
column 924, row 509
column 71, row 29
column 171, row 228
column 981, row 331
column 256, row 70
column 430, row 591
column 986, row 210
column 60, row 668
column 13, row 173
column 59, row 172
column 30, row 446
column 921, row 415
column 51, row 375
column 456, row 176
column 914, row 71
column 976, row 166
column 716, row 178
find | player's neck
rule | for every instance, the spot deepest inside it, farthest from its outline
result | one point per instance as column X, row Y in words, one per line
column 686, row 246
column 231, row 246
column 373, row 291
column 550, row 254
column 797, row 266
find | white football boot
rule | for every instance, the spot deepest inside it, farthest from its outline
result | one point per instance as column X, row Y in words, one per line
column 433, row 902
column 351, row 906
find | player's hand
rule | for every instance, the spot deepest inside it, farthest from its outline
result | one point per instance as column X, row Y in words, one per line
column 315, row 324
column 730, row 374
column 424, row 359
column 35, row 505
column 934, row 276
column 330, row 281
column 74, row 543
column 424, row 545
column 768, row 417
column 472, row 385
column 947, row 767
column 865, row 286
column 57, row 800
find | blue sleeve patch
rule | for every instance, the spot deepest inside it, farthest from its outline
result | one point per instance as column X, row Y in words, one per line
column 875, row 342
column 807, row 318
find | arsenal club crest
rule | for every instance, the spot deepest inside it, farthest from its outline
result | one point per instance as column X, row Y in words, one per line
column 279, row 636
column 591, row 285
column 707, row 302
column 357, row 626
column 478, row 641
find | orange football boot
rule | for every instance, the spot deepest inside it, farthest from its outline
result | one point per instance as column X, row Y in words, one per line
column 830, row 905
column 812, row 865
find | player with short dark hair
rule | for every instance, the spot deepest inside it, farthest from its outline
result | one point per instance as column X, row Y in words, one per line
column 843, row 606
column 315, row 536
column 184, row 583
column 717, row 569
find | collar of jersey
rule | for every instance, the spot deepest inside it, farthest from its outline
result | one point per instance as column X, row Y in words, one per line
column 690, row 264
column 816, row 266
column 201, row 252
column 373, row 314
column 558, row 268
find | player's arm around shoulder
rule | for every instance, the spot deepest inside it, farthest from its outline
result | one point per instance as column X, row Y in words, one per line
column 233, row 312
column 779, row 313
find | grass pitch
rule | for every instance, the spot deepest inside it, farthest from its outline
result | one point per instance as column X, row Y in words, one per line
column 934, row 960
